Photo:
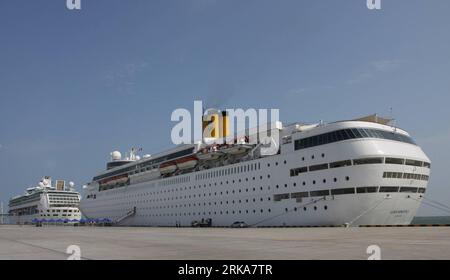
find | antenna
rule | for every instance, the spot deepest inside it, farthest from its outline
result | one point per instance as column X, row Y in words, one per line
column 391, row 116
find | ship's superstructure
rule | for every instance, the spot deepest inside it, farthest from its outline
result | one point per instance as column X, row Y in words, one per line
column 47, row 202
column 355, row 172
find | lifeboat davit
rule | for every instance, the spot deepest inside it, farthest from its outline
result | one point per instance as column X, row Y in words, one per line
column 209, row 154
column 168, row 167
column 187, row 162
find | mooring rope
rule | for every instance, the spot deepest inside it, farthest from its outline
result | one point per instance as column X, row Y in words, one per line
column 438, row 203
column 431, row 205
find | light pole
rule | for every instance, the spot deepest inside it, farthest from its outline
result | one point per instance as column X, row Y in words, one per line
column 1, row 214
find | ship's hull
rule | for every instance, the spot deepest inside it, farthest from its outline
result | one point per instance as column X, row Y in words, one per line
column 45, row 206
column 267, row 192
column 23, row 219
column 353, row 210
column 34, row 218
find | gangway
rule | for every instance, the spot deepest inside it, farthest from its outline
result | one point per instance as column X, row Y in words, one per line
column 130, row 213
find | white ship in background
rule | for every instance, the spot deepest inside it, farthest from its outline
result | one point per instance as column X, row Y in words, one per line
column 355, row 172
column 47, row 202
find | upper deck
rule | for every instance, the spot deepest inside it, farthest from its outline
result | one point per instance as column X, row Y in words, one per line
column 302, row 137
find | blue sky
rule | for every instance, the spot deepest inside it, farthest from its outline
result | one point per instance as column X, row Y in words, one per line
column 75, row 85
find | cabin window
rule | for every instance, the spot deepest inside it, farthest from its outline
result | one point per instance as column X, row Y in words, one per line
column 279, row 197
column 367, row 161
column 319, row 193
column 389, row 189
column 395, row 161
column 343, row 191
column 394, row 175
column 408, row 189
column 296, row 171
column 318, row 167
column 413, row 162
column 344, row 134
column 299, row 194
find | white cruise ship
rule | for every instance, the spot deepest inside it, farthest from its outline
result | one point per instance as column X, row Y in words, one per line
column 47, row 202
column 355, row 172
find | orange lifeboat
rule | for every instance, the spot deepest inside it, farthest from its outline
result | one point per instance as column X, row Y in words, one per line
column 187, row 162
column 121, row 179
column 167, row 168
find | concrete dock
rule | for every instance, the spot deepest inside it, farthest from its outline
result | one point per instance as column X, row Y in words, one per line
column 28, row 242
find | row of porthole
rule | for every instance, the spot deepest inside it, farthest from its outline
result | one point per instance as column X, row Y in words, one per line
column 192, row 196
column 210, row 194
column 295, row 209
column 347, row 178
column 305, row 208
column 207, row 204
column 313, row 157
column 209, row 213
column 276, row 163
column 204, row 186
column 205, row 213
column 191, row 205
column 168, row 199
